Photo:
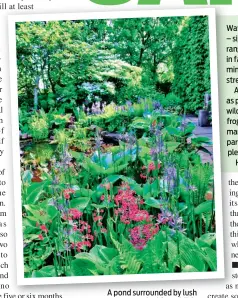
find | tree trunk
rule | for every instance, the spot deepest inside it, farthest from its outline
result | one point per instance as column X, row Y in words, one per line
column 36, row 93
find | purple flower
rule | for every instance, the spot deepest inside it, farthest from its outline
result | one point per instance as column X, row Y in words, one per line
column 67, row 232
column 55, row 181
column 60, row 207
column 156, row 105
column 173, row 220
column 170, row 175
column 161, row 110
column 67, row 246
column 160, row 145
column 170, row 172
column 192, row 188
column 129, row 103
column 130, row 139
column 154, row 154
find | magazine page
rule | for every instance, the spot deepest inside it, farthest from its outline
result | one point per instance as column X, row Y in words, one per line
column 118, row 148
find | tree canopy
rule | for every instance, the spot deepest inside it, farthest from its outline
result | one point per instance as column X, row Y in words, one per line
column 70, row 63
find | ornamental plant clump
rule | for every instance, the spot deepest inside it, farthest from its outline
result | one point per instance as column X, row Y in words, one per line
column 144, row 205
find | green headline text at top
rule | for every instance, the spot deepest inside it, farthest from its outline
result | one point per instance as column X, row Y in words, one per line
column 157, row 2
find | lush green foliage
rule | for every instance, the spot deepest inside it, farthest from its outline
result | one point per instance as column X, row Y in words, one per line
column 113, row 177
column 145, row 205
column 192, row 63
column 66, row 64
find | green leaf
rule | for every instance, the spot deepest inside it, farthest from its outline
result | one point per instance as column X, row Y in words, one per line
column 80, row 203
column 204, row 207
column 189, row 128
column 35, row 190
column 103, row 253
column 190, row 253
column 173, row 131
column 83, row 267
column 152, row 202
column 204, row 149
column 114, row 267
column 211, row 258
column 171, row 146
column 40, row 214
column 83, row 192
column 77, row 155
column 209, row 238
column 93, row 168
column 47, row 271
column 116, row 169
column 111, row 179
column 189, row 268
column 201, row 140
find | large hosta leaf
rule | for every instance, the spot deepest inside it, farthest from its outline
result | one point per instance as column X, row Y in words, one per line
column 47, row 271
column 35, row 190
column 190, row 253
column 39, row 214
column 103, row 253
column 83, row 267
column 80, row 203
column 211, row 257
column 209, row 238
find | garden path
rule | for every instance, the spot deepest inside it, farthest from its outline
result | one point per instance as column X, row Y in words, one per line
column 199, row 132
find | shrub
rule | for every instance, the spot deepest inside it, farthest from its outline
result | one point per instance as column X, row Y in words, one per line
column 39, row 126
column 172, row 102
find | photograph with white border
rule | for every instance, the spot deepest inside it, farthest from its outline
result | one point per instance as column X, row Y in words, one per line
column 117, row 174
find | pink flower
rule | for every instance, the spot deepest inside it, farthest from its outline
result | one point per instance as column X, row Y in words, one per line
column 89, row 237
column 41, row 237
column 107, row 186
column 83, row 245
column 44, row 228
column 75, row 213
column 67, row 193
column 84, row 226
column 72, row 214
column 140, row 235
column 152, row 167
column 103, row 198
column 97, row 218
column 142, row 176
column 128, row 207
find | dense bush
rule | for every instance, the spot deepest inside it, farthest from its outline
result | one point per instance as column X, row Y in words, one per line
column 172, row 102
column 191, row 63
column 39, row 126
